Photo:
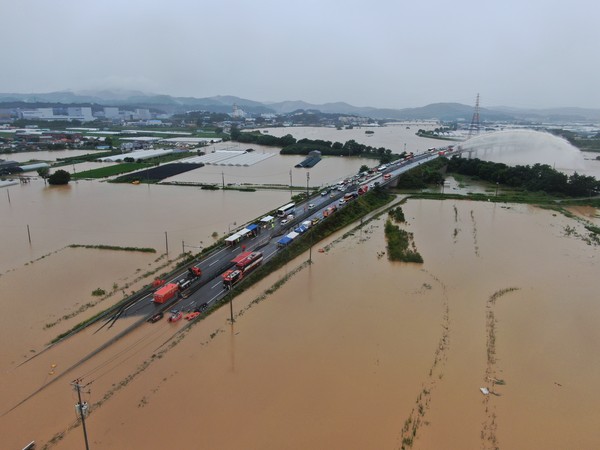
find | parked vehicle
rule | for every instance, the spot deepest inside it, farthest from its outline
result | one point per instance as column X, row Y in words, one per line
column 244, row 264
column 166, row 293
column 201, row 308
column 171, row 290
column 286, row 210
column 327, row 212
column 350, row 196
column 175, row 315
column 156, row 317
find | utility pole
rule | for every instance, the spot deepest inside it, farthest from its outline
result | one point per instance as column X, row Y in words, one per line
column 290, row 182
column 82, row 409
column 182, row 248
column 28, row 234
column 310, row 248
column 307, row 178
column 8, row 193
column 231, row 310
column 223, row 179
column 167, row 243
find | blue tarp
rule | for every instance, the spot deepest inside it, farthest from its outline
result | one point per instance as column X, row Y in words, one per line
column 284, row 240
column 300, row 229
column 252, row 227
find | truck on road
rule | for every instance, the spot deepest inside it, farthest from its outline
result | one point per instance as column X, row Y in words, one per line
column 183, row 286
column 245, row 263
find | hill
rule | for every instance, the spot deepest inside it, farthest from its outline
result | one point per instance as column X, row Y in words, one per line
column 224, row 104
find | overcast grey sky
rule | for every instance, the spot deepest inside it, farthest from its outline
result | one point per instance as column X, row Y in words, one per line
column 527, row 53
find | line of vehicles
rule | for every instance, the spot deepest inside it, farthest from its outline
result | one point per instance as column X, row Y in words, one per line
column 244, row 263
column 247, row 261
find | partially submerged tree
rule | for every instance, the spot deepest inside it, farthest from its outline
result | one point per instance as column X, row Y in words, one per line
column 43, row 172
column 59, row 177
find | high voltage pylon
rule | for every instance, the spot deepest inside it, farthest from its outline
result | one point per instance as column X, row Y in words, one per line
column 475, row 123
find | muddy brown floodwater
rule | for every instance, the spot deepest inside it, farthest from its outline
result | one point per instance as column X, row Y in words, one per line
column 357, row 352
column 351, row 352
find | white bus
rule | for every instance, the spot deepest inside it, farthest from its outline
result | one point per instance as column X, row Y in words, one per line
column 285, row 210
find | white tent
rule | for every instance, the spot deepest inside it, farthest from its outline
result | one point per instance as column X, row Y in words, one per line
column 232, row 238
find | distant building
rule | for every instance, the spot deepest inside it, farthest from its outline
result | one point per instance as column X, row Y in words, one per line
column 142, row 114
column 111, row 112
column 38, row 113
column 238, row 113
column 8, row 167
column 82, row 113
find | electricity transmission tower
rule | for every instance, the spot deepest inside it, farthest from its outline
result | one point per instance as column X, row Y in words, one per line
column 475, row 124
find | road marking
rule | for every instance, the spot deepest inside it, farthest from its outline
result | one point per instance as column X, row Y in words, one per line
column 215, row 296
column 215, row 254
column 219, row 283
column 214, row 262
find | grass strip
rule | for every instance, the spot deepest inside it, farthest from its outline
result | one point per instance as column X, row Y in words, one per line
column 115, row 247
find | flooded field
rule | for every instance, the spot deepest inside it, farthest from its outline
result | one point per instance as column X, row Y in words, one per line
column 91, row 212
column 351, row 352
column 360, row 351
column 398, row 137
column 277, row 170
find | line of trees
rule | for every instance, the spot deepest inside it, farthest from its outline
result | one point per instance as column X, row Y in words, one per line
column 429, row 173
column 290, row 146
column 536, row 178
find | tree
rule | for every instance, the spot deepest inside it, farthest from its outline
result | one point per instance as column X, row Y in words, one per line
column 43, row 172
column 108, row 141
column 363, row 168
column 234, row 133
column 59, row 177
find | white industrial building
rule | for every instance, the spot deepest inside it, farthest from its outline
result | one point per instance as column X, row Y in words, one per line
column 82, row 113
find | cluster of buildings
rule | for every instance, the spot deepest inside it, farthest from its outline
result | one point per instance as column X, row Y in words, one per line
column 83, row 114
